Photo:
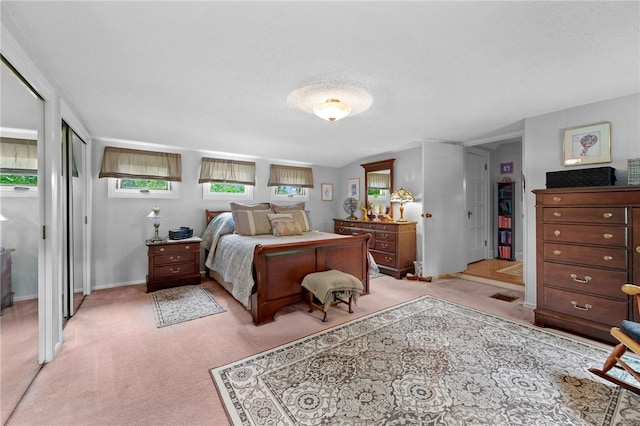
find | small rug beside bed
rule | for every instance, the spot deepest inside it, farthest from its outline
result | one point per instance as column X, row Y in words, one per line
column 185, row 303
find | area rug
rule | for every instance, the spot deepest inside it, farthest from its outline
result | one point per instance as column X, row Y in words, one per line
column 512, row 270
column 185, row 303
column 426, row 362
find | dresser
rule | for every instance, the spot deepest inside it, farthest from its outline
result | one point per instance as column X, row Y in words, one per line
column 173, row 264
column 587, row 247
column 392, row 244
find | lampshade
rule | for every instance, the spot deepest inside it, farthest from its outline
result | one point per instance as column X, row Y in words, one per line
column 332, row 110
column 401, row 196
column 155, row 216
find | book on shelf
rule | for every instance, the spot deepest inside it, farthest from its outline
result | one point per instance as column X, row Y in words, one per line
column 504, row 221
column 504, row 252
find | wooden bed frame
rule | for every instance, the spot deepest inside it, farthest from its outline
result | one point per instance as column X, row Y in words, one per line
column 279, row 269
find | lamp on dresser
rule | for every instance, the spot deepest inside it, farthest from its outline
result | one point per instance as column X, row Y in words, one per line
column 155, row 216
column 401, row 196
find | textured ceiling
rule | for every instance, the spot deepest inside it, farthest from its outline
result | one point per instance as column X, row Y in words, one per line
column 215, row 76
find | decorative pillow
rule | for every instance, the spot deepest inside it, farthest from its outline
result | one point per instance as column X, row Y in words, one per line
column 259, row 206
column 252, row 222
column 285, row 227
column 302, row 217
column 287, row 207
column 279, row 216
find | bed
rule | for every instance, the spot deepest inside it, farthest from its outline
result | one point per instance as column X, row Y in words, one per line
column 264, row 272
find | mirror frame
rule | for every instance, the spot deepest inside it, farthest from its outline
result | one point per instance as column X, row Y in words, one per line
column 374, row 167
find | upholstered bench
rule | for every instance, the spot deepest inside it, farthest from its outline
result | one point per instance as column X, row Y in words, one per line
column 331, row 288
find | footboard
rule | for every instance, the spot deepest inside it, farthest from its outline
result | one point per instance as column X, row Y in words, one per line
column 279, row 270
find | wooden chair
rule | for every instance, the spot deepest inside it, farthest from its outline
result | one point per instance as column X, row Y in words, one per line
column 628, row 334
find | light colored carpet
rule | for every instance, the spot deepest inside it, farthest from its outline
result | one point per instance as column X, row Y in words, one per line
column 427, row 361
column 185, row 303
column 512, row 270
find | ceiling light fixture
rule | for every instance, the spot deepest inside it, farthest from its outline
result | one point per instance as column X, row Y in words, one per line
column 332, row 110
column 330, row 102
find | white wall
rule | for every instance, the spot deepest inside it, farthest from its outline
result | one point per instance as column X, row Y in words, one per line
column 542, row 149
column 120, row 226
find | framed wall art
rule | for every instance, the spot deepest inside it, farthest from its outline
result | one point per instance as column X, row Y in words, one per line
column 587, row 144
column 326, row 192
column 353, row 188
column 506, row 168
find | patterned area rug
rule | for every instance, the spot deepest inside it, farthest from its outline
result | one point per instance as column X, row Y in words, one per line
column 422, row 363
column 512, row 270
column 185, row 303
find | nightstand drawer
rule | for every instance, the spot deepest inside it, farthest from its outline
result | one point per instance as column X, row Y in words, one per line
column 386, row 236
column 588, row 307
column 174, row 270
column 173, row 248
column 179, row 257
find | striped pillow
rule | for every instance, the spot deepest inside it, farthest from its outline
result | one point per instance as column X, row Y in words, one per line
column 252, row 222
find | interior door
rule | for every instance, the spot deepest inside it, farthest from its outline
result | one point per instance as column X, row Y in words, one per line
column 444, row 213
column 476, row 183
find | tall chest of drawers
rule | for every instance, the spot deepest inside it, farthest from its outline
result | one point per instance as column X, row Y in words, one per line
column 392, row 244
column 588, row 246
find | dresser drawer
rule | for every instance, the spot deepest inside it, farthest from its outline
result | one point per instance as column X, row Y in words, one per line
column 176, row 270
column 386, row 236
column 390, row 227
column 172, row 258
column 608, row 257
column 605, row 235
column 174, row 248
column 384, row 259
column 350, row 224
column 585, row 279
column 386, row 246
column 596, row 215
column 585, row 306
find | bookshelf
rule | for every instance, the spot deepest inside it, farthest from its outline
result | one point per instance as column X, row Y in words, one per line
column 506, row 221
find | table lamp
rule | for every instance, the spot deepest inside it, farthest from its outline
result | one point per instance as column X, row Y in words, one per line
column 155, row 216
column 401, row 196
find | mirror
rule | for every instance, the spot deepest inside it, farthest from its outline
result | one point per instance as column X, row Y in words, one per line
column 378, row 183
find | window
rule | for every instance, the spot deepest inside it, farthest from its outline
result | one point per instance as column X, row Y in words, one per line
column 226, row 191
column 142, row 188
column 289, row 193
column 18, row 167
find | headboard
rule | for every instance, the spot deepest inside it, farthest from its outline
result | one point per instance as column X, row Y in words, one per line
column 211, row 214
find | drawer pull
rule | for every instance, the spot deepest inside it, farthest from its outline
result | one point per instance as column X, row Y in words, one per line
column 557, row 214
column 585, row 308
column 556, row 233
column 557, row 199
column 388, row 259
column 161, row 248
column 186, row 247
column 384, row 246
column 638, row 249
column 177, row 271
column 557, row 252
column 385, row 235
column 175, row 259
column 607, row 258
column 607, row 236
column 607, row 215
column 586, row 279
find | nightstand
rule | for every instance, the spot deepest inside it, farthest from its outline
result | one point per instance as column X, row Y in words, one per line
column 173, row 263
column 5, row 280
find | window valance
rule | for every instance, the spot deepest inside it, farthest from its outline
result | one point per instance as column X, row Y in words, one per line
column 290, row 176
column 18, row 156
column 378, row 180
column 138, row 164
column 228, row 171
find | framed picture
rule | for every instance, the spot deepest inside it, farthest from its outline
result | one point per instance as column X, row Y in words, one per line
column 587, row 144
column 506, row 168
column 327, row 192
column 353, row 188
